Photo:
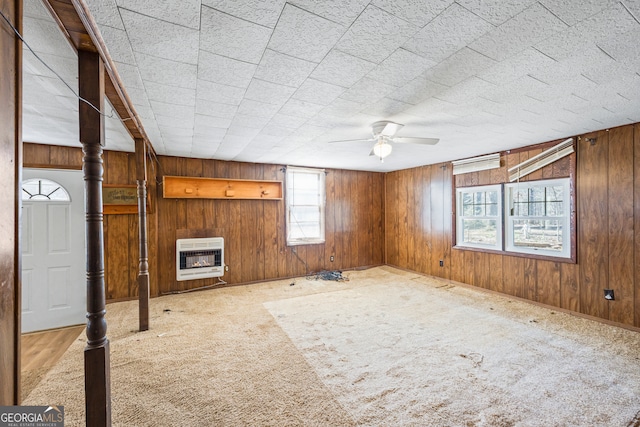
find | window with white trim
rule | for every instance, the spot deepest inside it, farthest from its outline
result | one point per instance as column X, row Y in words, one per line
column 479, row 217
column 305, row 204
column 40, row 189
column 537, row 217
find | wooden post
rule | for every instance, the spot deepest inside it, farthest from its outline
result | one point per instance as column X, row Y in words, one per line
column 10, row 177
column 143, row 266
column 96, row 353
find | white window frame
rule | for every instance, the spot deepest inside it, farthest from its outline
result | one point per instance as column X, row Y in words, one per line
column 565, row 219
column 461, row 217
column 289, row 198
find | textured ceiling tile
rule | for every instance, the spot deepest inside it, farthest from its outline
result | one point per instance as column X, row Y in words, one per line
column 400, row 68
column 342, row 108
column 290, row 122
column 225, row 71
column 317, row 92
column 278, row 68
column 276, row 131
column 447, row 33
column 607, row 25
column 520, row 32
column 418, row 12
column 375, row 35
column 466, row 90
column 624, row 48
column 340, row 11
column 417, row 90
column 341, row 69
column 249, row 122
column 367, row 91
column 570, row 14
column 166, row 71
column 171, row 126
column 634, row 7
column 232, row 37
column 432, row 107
column 495, row 11
column 118, row 45
column 105, row 12
column 297, row 108
column 244, row 132
column 463, row 64
column 170, row 94
column 216, row 109
column 138, row 97
column 212, row 121
column 386, row 107
column 263, row 12
column 172, row 110
column 257, row 108
column 304, row 35
column 130, row 75
column 526, row 62
column 223, row 94
column 160, row 38
column 184, row 12
column 66, row 68
column 45, row 37
column 268, row 92
column 35, row 9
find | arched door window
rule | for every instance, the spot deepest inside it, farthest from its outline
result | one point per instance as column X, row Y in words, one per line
column 40, row 189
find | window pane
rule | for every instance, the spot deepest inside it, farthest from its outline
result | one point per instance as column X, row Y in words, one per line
column 480, row 231
column 539, row 234
column 305, row 205
column 43, row 189
column 478, row 210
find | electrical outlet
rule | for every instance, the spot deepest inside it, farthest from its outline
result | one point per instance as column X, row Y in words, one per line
column 441, row 263
column 608, row 295
column 331, row 258
column 226, row 268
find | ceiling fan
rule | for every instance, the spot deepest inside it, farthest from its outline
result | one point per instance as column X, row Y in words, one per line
column 384, row 134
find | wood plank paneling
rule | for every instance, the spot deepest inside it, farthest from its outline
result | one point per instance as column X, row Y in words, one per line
column 593, row 225
column 621, row 236
column 548, row 282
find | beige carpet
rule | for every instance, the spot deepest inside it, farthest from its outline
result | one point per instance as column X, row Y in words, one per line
column 386, row 348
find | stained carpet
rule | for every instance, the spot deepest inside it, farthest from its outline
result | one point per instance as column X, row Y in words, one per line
column 386, row 348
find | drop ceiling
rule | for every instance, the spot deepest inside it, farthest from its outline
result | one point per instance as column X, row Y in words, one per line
column 270, row 81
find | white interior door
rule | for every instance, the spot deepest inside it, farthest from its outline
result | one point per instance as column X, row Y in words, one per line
column 53, row 267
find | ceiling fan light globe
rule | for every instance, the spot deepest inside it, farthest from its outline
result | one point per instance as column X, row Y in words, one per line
column 382, row 149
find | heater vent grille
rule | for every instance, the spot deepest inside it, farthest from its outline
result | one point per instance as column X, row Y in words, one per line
column 199, row 258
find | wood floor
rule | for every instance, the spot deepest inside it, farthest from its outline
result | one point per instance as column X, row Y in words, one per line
column 41, row 351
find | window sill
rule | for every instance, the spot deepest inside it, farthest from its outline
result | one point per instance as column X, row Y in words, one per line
column 571, row 260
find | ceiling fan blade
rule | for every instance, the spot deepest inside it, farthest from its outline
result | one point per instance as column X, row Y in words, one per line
column 353, row 140
column 391, row 129
column 412, row 140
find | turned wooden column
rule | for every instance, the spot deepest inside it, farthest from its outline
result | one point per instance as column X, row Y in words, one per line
column 96, row 353
column 143, row 265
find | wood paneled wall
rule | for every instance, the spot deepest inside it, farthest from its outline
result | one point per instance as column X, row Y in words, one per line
column 120, row 231
column 254, row 230
column 419, row 230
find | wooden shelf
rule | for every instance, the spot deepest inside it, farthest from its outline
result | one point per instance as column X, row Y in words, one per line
column 181, row 187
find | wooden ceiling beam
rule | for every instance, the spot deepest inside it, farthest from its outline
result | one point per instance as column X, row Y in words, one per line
column 81, row 30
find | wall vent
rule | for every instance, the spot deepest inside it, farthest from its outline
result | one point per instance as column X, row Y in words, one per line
column 199, row 258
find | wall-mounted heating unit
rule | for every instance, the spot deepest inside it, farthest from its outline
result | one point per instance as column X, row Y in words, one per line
column 199, row 258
